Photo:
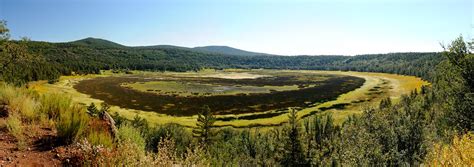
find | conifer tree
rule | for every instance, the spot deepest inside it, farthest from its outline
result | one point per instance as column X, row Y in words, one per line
column 294, row 154
column 205, row 122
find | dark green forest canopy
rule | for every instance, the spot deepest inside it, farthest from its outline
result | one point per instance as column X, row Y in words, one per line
column 92, row 55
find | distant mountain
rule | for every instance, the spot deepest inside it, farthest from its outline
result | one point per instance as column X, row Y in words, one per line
column 97, row 42
column 223, row 50
column 227, row 51
column 162, row 47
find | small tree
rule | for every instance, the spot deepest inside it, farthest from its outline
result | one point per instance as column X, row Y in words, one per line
column 294, row 155
column 92, row 110
column 205, row 122
column 454, row 85
column 4, row 31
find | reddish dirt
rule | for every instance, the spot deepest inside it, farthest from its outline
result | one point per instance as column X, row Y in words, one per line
column 40, row 148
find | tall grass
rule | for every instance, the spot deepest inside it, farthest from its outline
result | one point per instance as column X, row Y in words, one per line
column 100, row 137
column 20, row 100
column 13, row 123
column 54, row 104
column 7, row 93
column 71, row 124
column 127, row 133
column 14, row 126
column 26, row 106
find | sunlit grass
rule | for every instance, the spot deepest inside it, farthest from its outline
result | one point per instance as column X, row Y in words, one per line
column 399, row 85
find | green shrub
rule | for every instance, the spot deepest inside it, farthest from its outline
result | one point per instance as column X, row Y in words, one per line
column 26, row 106
column 100, row 138
column 131, row 147
column 127, row 132
column 71, row 124
column 13, row 124
column 181, row 136
column 53, row 104
column 119, row 120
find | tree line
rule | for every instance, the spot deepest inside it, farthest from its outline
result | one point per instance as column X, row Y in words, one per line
column 25, row 60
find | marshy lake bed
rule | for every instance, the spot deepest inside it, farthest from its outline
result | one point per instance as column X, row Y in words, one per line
column 239, row 98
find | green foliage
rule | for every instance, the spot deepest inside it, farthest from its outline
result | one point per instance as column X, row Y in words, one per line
column 140, row 123
column 454, row 85
column 71, row 124
column 119, row 120
column 100, row 137
column 28, row 107
column 92, row 110
column 205, row 122
column 180, row 136
column 323, row 133
column 294, row 155
column 54, row 104
column 4, row 31
column 14, row 126
column 20, row 101
column 89, row 56
column 18, row 65
column 127, row 133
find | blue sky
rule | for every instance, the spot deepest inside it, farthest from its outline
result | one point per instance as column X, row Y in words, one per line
column 292, row 27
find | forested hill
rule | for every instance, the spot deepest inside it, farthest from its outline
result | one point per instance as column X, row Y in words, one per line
column 92, row 55
column 96, row 42
column 227, row 50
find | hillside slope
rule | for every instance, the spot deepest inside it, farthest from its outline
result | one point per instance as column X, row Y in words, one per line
column 227, row 51
column 92, row 55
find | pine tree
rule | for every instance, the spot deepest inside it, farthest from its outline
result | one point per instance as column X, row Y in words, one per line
column 294, row 155
column 454, row 85
column 92, row 110
column 205, row 122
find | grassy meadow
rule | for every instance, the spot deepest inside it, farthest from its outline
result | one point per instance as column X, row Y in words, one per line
column 376, row 87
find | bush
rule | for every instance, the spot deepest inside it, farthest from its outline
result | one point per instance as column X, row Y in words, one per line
column 13, row 124
column 131, row 147
column 91, row 155
column 71, row 124
column 26, row 106
column 119, row 120
column 177, row 133
column 53, row 104
column 100, row 138
column 129, row 133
